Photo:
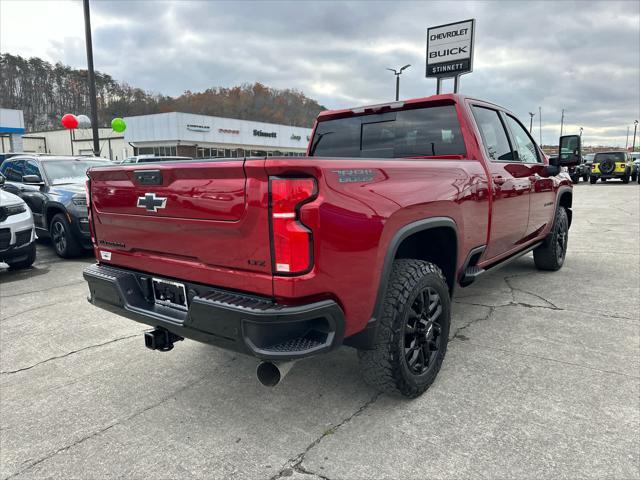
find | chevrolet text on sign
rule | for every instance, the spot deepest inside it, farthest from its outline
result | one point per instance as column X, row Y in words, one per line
column 450, row 49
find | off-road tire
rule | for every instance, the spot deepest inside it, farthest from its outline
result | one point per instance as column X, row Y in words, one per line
column 634, row 176
column 64, row 243
column 27, row 262
column 553, row 251
column 593, row 180
column 603, row 180
column 385, row 367
column 585, row 178
column 575, row 178
column 625, row 178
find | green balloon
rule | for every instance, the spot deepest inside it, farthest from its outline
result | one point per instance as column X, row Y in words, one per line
column 118, row 125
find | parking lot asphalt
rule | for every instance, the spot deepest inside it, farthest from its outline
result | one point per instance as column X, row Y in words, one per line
column 541, row 380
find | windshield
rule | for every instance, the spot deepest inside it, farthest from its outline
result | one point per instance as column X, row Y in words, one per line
column 615, row 156
column 423, row 132
column 61, row 172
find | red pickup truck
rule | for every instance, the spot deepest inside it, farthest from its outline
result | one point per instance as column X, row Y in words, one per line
column 360, row 243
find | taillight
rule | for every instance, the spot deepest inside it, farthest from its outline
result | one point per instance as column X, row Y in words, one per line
column 87, row 191
column 291, row 239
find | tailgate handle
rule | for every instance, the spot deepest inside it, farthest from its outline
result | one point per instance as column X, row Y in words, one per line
column 148, row 177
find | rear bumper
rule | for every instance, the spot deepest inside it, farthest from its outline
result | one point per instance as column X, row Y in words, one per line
column 243, row 323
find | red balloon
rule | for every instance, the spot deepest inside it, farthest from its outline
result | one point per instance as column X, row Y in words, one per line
column 69, row 121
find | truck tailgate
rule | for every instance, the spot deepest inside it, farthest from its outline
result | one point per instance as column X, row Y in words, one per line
column 203, row 221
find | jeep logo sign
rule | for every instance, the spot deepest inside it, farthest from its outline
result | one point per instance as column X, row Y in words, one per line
column 450, row 49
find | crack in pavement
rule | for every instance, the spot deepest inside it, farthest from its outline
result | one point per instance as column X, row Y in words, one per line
column 9, row 372
column 117, row 422
column 33, row 309
column 552, row 306
column 476, row 320
column 555, row 360
column 295, row 463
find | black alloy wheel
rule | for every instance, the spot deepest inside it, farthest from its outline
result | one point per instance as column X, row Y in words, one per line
column 64, row 243
column 59, row 236
column 422, row 332
column 562, row 235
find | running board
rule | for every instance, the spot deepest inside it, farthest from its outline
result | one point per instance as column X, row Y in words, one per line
column 471, row 274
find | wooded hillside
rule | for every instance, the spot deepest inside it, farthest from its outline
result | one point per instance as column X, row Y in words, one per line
column 45, row 92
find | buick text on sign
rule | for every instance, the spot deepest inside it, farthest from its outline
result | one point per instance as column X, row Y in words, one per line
column 450, row 49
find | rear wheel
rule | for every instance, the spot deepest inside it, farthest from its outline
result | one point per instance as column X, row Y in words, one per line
column 593, row 180
column 575, row 178
column 26, row 262
column 551, row 254
column 634, row 176
column 64, row 243
column 603, row 180
column 585, row 177
column 625, row 178
column 413, row 331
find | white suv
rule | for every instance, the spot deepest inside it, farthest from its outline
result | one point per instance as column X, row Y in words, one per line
column 17, row 233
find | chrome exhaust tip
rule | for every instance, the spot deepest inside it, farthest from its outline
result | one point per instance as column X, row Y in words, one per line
column 271, row 374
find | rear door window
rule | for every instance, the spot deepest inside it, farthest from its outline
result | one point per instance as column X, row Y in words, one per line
column 13, row 170
column 494, row 136
column 420, row 132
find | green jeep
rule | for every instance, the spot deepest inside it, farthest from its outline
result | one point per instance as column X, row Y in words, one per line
column 608, row 165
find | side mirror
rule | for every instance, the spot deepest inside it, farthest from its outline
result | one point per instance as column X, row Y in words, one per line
column 32, row 180
column 569, row 150
column 553, row 168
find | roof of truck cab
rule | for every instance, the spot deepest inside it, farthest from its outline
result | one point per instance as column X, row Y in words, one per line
column 445, row 98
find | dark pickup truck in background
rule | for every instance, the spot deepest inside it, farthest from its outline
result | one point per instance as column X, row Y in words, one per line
column 361, row 243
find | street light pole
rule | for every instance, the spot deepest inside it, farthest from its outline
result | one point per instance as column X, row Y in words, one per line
column 397, row 73
column 562, row 122
column 626, row 144
column 580, row 133
column 531, row 115
column 92, row 79
column 635, row 128
column 540, row 124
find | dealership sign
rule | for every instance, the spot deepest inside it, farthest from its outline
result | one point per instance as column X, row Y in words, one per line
column 198, row 128
column 450, row 49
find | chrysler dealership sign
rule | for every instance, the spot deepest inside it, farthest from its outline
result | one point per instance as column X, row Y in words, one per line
column 450, row 49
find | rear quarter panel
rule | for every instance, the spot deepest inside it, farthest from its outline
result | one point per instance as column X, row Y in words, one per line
column 361, row 204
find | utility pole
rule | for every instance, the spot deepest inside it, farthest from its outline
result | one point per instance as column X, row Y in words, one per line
column 92, row 79
column 540, row 123
column 397, row 73
column 626, row 144
column 580, row 133
column 562, row 122
column 531, row 115
column 635, row 128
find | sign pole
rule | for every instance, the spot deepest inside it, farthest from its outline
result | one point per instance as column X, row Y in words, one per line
column 456, row 83
column 92, row 79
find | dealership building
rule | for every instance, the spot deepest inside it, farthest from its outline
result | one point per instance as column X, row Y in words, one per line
column 11, row 130
column 175, row 133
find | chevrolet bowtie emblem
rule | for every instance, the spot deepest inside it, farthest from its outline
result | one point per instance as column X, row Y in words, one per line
column 152, row 203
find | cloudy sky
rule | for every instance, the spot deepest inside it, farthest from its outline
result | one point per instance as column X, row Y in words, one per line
column 580, row 56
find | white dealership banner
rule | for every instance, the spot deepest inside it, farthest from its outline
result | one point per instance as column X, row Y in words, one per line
column 450, row 49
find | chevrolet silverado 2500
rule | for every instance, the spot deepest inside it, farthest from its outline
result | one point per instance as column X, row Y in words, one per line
column 360, row 243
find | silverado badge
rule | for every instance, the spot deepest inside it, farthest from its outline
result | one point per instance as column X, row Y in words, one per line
column 152, row 203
